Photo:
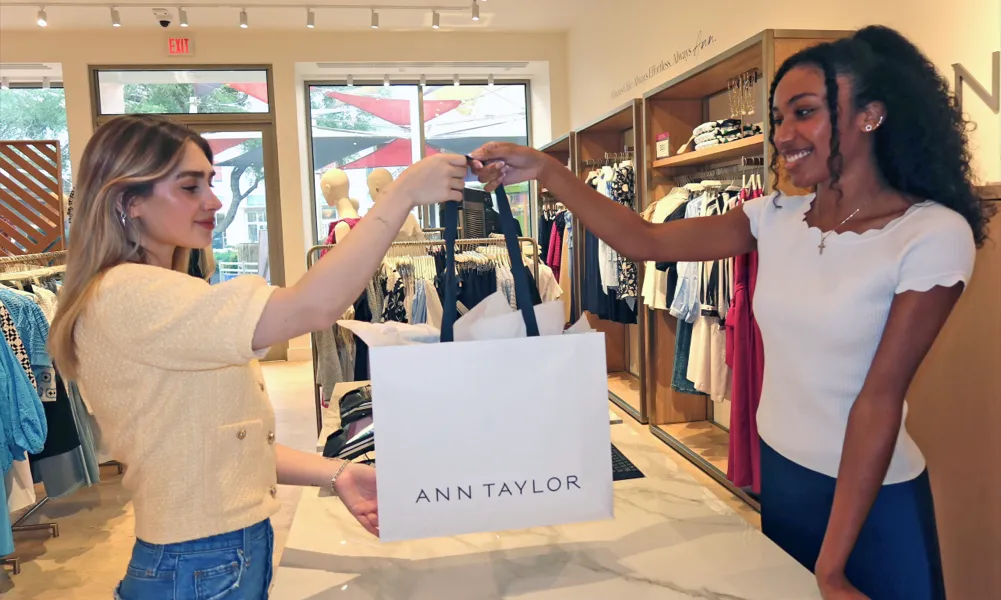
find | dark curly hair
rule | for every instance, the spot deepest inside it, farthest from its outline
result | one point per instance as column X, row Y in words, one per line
column 922, row 149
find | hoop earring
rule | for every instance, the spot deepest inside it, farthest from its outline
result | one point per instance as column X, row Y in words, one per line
column 121, row 218
column 868, row 127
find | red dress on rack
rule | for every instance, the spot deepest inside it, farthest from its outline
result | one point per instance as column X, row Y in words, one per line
column 745, row 354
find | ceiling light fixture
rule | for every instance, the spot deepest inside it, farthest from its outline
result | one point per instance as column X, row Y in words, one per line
column 4, row 83
column 116, row 20
column 45, row 83
column 182, row 16
column 435, row 20
column 351, row 80
column 455, row 80
column 424, row 81
column 476, row 11
column 43, row 19
column 385, row 81
column 244, row 21
column 310, row 18
column 375, row 19
column 490, row 80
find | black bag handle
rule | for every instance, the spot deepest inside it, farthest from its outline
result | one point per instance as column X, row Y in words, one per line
column 509, row 227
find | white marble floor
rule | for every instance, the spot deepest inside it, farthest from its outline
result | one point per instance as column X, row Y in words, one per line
column 87, row 560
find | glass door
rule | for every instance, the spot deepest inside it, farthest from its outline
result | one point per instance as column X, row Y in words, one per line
column 245, row 182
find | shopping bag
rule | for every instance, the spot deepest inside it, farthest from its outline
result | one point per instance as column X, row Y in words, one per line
column 491, row 435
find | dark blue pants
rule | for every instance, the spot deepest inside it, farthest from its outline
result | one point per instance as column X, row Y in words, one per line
column 897, row 554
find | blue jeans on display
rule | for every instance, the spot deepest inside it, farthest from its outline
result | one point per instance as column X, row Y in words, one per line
column 897, row 554
column 230, row 566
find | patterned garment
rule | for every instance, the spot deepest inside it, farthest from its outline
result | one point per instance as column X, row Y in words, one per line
column 624, row 192
column 14, row 340
column 395, row 308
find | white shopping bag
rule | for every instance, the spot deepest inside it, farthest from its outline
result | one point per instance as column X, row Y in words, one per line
column 491, row 435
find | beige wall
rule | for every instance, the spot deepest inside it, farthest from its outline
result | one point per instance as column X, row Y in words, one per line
column 608, row 48
column 282, row 50
column 955, row 399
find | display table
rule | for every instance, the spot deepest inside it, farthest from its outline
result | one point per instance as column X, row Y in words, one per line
column 671, row 538
column 331, row 416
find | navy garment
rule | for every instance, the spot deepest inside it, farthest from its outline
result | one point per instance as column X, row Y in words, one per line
column 595, row 300
column 362, row 313
column 897, row 555
column 476, row 282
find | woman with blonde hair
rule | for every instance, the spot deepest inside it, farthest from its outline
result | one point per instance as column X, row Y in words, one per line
column 169, row 364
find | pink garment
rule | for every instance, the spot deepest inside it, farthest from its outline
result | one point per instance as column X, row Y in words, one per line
column 555, row 252
column 745, row 353
column 332, row 235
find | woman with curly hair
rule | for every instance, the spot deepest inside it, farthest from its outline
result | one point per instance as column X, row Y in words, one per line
column 855, row 282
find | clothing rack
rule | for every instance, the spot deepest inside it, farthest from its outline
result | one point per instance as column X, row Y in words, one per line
column 609, row 157
column 45, row 264
column 729, row 170
column 313, row 253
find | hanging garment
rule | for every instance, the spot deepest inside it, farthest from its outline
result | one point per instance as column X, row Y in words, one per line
column 566, row 264
column 435, row 311
column 362, row 313
column 33, row 328
column 555, row 253
column 682, row 347
column 418, row 314
column 16, row 345
column 19, row 484
column 22, row 417
column 331, row 238
column 623, row 189
column 549, row 288
column 686, row 299
column 545, row 232
column 707, row 367
column 395, row 308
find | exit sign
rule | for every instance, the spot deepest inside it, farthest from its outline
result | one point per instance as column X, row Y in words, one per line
column 180, row 47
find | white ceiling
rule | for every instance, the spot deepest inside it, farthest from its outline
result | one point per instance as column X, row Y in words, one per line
column 495, row 15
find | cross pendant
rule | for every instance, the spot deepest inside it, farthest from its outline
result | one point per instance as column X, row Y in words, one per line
column 822, row 245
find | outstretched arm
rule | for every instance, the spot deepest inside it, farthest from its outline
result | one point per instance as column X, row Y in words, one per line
column 355, row 485
column 624, row 230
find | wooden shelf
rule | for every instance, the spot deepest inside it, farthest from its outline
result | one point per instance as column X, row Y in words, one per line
column 751, row 146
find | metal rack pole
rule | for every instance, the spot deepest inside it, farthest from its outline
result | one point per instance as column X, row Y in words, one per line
column 314, row 252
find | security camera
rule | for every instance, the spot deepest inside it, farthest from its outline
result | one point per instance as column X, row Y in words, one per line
column 162, row 15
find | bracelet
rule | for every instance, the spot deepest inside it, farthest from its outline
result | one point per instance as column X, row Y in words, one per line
column 333, row 480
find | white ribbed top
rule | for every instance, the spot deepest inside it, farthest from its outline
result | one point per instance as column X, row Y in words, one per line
column 822, row 318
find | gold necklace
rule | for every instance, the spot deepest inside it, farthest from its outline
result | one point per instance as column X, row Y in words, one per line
column 823, row 235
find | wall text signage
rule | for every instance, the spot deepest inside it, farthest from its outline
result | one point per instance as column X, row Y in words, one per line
column 682, row 55
column 993, row 98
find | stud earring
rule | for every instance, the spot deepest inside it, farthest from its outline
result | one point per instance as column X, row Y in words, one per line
column 868, row 127
column 121, row 217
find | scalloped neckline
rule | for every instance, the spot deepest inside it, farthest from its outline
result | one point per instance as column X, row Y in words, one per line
column 853, row 235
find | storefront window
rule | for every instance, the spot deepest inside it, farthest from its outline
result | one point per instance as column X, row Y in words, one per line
column 37, row 114
column 461, row 118
column 361, row 128
column 358, row 129
column 182, row 92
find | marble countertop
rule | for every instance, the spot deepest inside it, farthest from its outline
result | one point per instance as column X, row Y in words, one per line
column 671, row 538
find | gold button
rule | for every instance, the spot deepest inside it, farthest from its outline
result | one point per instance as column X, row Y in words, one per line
column 274, row 491
column 241, row 434
column 261, row 385
column 271, row 437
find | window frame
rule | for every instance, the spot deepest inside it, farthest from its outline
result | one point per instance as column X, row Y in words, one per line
column 428, row 216
column 201, row 119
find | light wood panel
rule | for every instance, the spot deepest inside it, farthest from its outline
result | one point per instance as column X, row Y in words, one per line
column 955, row 417
column 668, row 405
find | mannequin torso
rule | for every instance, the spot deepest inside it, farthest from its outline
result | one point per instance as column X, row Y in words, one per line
column 378, row 181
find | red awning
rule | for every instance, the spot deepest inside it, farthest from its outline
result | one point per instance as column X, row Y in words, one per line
column 394, row 154
column 254, row 90
column 394, row 110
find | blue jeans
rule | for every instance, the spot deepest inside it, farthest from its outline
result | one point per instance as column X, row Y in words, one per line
column 234, row 566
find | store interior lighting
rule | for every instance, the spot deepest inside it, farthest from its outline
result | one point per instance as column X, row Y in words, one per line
column 455, row 81
column 385, row 81
column 351, row 80
column 182, row 13
column 4, row 83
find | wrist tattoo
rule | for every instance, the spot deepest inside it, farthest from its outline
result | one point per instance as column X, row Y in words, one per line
column 383, row 221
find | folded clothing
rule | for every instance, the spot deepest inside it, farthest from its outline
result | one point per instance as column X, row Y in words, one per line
column 356, row 405
column 709, row 144
column 343, row 446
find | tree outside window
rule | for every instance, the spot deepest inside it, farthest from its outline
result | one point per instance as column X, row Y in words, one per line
column 36, row 114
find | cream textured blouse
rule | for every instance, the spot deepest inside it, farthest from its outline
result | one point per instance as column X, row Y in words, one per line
column 167, row 366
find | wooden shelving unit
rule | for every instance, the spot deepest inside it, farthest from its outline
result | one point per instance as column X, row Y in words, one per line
column 677, row 108
column 625, row 345
column 751, row 146
column 563, row 149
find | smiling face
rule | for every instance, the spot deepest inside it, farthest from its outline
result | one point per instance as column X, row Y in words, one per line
column 180, row 211
column 802, row 125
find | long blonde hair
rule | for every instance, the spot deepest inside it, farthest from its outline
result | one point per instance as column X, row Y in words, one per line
column 122, row 162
